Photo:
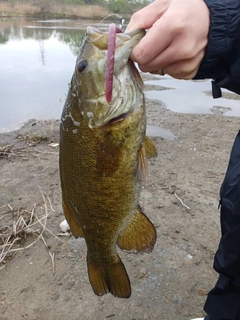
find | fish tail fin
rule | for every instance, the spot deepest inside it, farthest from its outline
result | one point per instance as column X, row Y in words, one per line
column 139, row 236
column 112, row 278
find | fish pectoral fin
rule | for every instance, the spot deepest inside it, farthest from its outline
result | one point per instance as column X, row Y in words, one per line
column 150, row 148
column 73, row 224
column 147, row 150
column 139, row 236
column 141, row 166
column 111, row 278
column 108, row 158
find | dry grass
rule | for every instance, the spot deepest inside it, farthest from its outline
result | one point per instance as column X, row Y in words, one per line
column 26, row 9
column 24, row 223
column 87, row 11
column 22, row 9
column 8, row 152
column 32, row 139
column 11, row 152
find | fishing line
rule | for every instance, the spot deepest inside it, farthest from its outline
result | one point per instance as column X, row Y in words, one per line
column 111, row 15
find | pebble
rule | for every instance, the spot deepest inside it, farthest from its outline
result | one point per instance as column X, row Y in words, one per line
column 64, row 226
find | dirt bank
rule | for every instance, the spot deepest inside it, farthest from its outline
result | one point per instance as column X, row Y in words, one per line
column 48, row 280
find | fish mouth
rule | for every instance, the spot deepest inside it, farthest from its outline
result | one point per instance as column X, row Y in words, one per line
column 112, row 104
column 112, row 34
column 134, row 38
column 94, row 36
column 119, row 46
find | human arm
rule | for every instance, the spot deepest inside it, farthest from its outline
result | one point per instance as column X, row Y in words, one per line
column 219, row 60
column 222, row 58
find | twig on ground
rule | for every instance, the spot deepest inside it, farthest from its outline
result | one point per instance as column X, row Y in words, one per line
column 172, row 190
column 8, row 152
column 184, row 205
column 50, row 254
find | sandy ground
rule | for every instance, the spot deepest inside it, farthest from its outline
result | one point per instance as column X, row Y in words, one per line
column 48, row 279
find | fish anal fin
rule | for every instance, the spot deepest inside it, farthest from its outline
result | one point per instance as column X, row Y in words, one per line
column 139, row 236
column 150, row 148
column 73, row 223
column 111, row 278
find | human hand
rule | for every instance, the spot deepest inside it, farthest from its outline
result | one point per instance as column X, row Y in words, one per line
column 177, row 37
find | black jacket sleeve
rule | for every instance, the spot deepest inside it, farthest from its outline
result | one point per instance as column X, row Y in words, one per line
column 222, row 58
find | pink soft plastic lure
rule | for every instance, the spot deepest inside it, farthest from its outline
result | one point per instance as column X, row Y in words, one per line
column 113, row 29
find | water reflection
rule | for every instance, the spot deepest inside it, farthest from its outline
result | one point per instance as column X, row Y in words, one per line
column 37, row 62
column 40, row 30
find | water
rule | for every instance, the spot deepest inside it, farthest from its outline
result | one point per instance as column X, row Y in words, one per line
column 37, row 60
column 155, row 131
column 191, row 97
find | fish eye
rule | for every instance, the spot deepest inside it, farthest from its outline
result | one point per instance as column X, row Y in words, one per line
column 81, row 66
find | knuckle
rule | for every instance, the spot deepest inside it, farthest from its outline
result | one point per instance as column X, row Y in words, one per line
column 189, row 52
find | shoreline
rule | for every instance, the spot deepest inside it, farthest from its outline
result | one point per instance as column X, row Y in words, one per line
column 59, row 11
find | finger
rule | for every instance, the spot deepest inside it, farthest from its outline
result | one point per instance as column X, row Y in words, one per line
column 174, row 54
column 185, row 69
column 167, row 57
column 180, row 76
column 153, row 39
column 145, row 18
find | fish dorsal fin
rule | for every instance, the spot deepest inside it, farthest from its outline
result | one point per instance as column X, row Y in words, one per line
column 108, row 158
column 139, row 236
column 150, row 148
column 73, row 224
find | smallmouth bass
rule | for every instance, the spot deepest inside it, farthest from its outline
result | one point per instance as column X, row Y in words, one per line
column 103, row 151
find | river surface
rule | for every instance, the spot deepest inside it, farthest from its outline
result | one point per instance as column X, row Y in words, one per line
column 37, row 61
